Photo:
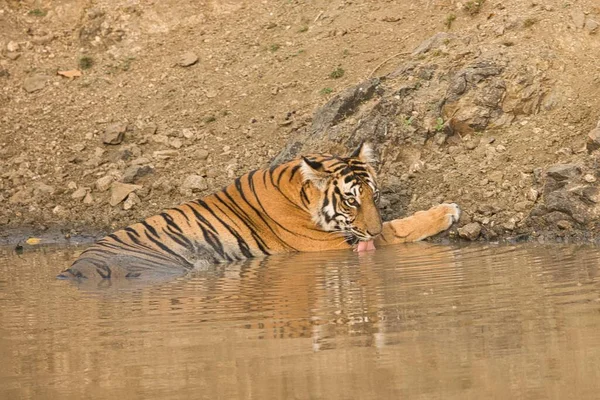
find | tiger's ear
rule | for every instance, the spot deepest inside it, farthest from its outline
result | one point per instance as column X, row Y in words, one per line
column 314, row 172
column 365, row 153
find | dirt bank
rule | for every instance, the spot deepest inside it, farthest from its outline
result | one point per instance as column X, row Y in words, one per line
column 486, row 104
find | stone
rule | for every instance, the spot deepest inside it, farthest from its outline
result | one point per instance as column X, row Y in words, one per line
column 563, row 172
column 135, row 172
column 194, row 183
column 564, row 225
column 60, row 211
column 13, row 56
column 496, row 176
column 40, row 188
column 35, row 83
column 532, row 195
column 202, row 154
column 79, row 194
column 131, row 201
column 188, row 59
column 43, row 40
column 175, row 143
column 164, row 154
column 149, row 129
column 103, row 183
column 119, row 192
column 114, row 133
column 12, row 46
column 591, row 26
column 589, row 178
column 470, row 231
column 23, row 196
column 187, row 133
column 88, row 199
column 593, row 139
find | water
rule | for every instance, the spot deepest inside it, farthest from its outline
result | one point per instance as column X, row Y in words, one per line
column 419, row 321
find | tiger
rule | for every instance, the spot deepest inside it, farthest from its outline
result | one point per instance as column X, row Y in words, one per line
column 313, row 203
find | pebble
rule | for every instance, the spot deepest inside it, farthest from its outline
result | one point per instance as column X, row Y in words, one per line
column 135, row 172
column 131, row 200
column 79, row 194
column 202, row 154
column 12, row 46
column 120, row 191
column 114, row 133
column 532, row 195
column 562, row 172
column 564, row 225
column 88, row 199
column 589, row 178
column 194, row 183
column 175, row 143
column 188, row 59
column 35, row 83
column 470, row 231
column 591, row 26
column 578, row 18
column 103, row 183
column 164, row 154
column 187, row 133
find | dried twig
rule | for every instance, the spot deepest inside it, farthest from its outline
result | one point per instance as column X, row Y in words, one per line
column 386, row 60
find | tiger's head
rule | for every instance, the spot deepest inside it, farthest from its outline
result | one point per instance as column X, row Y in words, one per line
column 348, row 193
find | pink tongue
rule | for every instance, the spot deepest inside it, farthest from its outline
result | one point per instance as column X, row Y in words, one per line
column 365, row 246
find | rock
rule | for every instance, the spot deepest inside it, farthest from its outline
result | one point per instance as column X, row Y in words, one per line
column 135, row 172
column 578, row 17
column 103, row 183
column 114, row 133
column 532, row 195
column 79, row 194
column 175, row 143
column 496, row 176
column 591, row 26
column 88, row 199
column 131, row 200
column 60, row 211
column 140, row 161
column 194, row 183
column 593, row 140
column 202, row 154
column 12, row 46
column 562, row 172
column 120, row 191
column 13, row 56
column 187, row 133
column 164, row 154
column 470, row 231
column 564, row 225
column 188, row 59
column 589, row 178
column 35, row 83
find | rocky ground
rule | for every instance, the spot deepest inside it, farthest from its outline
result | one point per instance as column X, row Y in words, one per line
column 113, row 110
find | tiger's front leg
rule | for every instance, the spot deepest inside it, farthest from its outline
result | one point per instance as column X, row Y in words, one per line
column 419, row 226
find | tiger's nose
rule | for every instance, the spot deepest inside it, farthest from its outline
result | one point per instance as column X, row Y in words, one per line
column 377, row 232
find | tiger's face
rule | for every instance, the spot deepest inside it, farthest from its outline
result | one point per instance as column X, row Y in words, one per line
column 349, row 193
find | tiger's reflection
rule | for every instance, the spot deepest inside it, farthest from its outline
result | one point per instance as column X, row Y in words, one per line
column 300, row 295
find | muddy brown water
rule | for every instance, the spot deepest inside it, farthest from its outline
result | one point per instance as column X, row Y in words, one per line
column 418, row 321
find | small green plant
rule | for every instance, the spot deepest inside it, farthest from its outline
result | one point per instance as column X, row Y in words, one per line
column 439, row 124
column 346, row 52
column 86, row 62
column 449, row 20
column 326, row 90
column 274, row 47
column 126, row 64
column 38, row 12
column 407, row 121
column 303, row 28
column 210, row 118
column 529, row 22
column 337, row 73
column 473, row 7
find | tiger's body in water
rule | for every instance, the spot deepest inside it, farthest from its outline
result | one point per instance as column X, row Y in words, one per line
column 315, row 203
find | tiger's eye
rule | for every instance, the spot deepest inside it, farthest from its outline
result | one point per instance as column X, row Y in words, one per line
column 351, row 201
